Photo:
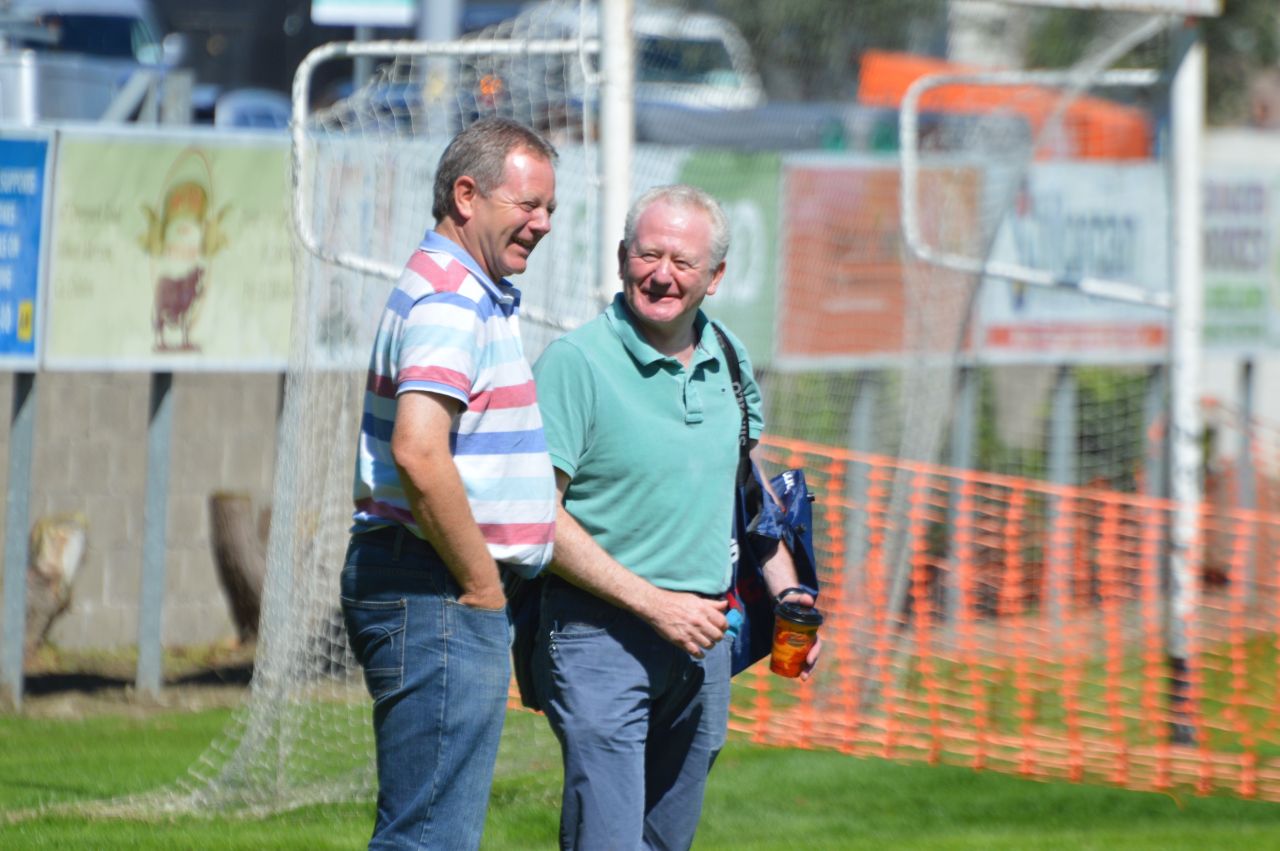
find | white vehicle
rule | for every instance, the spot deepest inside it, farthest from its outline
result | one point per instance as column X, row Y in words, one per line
column 689, row 58
column 694, row 59
column 76, row 59
column 258, row 109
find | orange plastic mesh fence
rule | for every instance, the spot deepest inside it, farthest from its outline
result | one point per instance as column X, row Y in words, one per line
column 1029, row 636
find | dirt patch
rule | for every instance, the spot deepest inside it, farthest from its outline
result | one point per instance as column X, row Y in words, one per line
column 65, row 684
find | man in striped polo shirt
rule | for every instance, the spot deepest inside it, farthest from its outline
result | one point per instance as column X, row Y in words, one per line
column 453, row 485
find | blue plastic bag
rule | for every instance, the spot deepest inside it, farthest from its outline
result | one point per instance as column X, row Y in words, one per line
column 760, row 526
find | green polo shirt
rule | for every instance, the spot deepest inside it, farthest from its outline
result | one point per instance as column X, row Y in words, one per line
column 650, row 447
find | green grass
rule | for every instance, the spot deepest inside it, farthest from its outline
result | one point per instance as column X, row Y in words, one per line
column 758, row 798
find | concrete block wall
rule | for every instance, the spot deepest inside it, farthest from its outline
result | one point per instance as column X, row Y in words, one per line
column 90, row 456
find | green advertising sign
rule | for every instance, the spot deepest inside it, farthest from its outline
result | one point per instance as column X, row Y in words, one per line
column 748, row 186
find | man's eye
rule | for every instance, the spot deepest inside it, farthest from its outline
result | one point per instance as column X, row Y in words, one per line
column 683, row 265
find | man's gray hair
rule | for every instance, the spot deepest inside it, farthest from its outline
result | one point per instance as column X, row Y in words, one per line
column 480, row 152
column 684, row 196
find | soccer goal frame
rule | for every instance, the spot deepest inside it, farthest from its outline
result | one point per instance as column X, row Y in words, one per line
column 303, row 189
column 1186, row 103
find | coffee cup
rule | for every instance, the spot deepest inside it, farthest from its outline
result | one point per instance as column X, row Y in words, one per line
column 795, row 630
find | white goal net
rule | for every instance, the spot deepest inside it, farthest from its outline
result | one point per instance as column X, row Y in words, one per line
column 988, row 450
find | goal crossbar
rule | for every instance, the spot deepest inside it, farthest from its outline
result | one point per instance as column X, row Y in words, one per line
column 334, row 51
column 909, row 139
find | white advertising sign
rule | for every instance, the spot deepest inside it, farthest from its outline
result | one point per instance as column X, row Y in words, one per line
column 366, row 13
column 1242, row 242
column 1101, row 220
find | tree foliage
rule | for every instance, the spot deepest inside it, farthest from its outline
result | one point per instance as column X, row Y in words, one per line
column 1241, row 41
column 809, row 49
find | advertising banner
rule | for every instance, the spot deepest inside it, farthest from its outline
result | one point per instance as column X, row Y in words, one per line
column 1242, row 242
column 370, row 13
column 1241, row 297
column 1080, row 219
column 846, row 289
column 170, row 254
column 747, row 186
column 23, row 187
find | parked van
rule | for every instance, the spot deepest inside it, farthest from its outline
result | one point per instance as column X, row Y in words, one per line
column 71, row 59
column 693, row 59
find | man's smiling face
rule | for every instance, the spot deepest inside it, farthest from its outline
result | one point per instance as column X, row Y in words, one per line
column 666, row 271
column 510, row 221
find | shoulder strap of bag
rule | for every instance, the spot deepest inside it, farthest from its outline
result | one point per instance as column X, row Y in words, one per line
column 735, row 375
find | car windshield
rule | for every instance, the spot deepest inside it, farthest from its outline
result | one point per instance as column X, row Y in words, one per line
column 696, row 61
column 110, row 36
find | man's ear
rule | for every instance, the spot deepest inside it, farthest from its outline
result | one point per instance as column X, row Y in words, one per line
column 465, row 193
column 622, row 258
column 715, row 279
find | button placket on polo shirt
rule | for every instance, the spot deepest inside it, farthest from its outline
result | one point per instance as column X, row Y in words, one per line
column 692, row 399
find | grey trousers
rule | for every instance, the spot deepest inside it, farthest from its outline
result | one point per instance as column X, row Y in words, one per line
column 640, row 723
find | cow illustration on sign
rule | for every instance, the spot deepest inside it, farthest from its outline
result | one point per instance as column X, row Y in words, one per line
column 181, row 236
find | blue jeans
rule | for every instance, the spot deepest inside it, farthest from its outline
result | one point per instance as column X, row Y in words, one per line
column 438, row 672
column 640, row 723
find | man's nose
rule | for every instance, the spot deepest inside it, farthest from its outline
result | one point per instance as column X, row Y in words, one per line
column 664, row 269
column 541, row 221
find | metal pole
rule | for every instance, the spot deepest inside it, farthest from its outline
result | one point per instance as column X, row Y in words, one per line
column 155, row 519
column 362, row 66
column 1063, row 470
column 1155, row 427
column 862, row 438
column 617, row 132
column 1062, row 429
column 16, row 521
column 1246, row 469
column 439, row 20
column 1187, row 101
column 964, row 441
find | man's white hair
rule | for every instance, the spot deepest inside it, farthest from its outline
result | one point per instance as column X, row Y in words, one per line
column 684, row 196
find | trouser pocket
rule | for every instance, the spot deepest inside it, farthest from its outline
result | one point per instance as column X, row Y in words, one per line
column 376, row 631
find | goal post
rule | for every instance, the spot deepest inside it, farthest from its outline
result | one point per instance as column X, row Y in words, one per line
column 302, row 146
column 1181, row 84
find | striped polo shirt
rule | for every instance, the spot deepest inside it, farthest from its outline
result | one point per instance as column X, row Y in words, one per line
column 448, row 329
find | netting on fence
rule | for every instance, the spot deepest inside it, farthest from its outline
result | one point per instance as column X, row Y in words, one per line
column 989, row 453
column 1032, row 637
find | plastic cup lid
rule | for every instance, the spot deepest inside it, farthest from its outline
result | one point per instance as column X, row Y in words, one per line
column 801, row 614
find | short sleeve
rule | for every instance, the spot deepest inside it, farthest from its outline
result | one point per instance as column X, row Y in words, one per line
column 567, row 400
column 440, row 347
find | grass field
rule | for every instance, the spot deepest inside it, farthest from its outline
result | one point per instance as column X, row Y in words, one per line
column 758, row 798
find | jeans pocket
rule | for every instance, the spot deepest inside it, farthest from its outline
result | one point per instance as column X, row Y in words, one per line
column 376, row 630
column 482, row 628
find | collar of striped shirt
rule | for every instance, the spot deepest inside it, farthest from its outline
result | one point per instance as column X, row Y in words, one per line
column 503, row 291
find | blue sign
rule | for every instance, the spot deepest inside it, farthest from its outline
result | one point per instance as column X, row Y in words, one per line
column 22, row 190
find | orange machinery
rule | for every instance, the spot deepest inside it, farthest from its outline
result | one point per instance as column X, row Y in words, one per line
column 1091, row 127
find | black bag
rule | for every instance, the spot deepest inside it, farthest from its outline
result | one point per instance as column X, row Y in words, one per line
column 524, row 605
column 760, row 525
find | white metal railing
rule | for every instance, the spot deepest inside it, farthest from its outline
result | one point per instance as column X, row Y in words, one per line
column 302, row 187
column 909, row 139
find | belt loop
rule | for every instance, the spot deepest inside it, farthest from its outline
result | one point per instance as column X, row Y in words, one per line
column 399, row 547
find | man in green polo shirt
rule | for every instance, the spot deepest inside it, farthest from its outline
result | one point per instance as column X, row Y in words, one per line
column 642, row 426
